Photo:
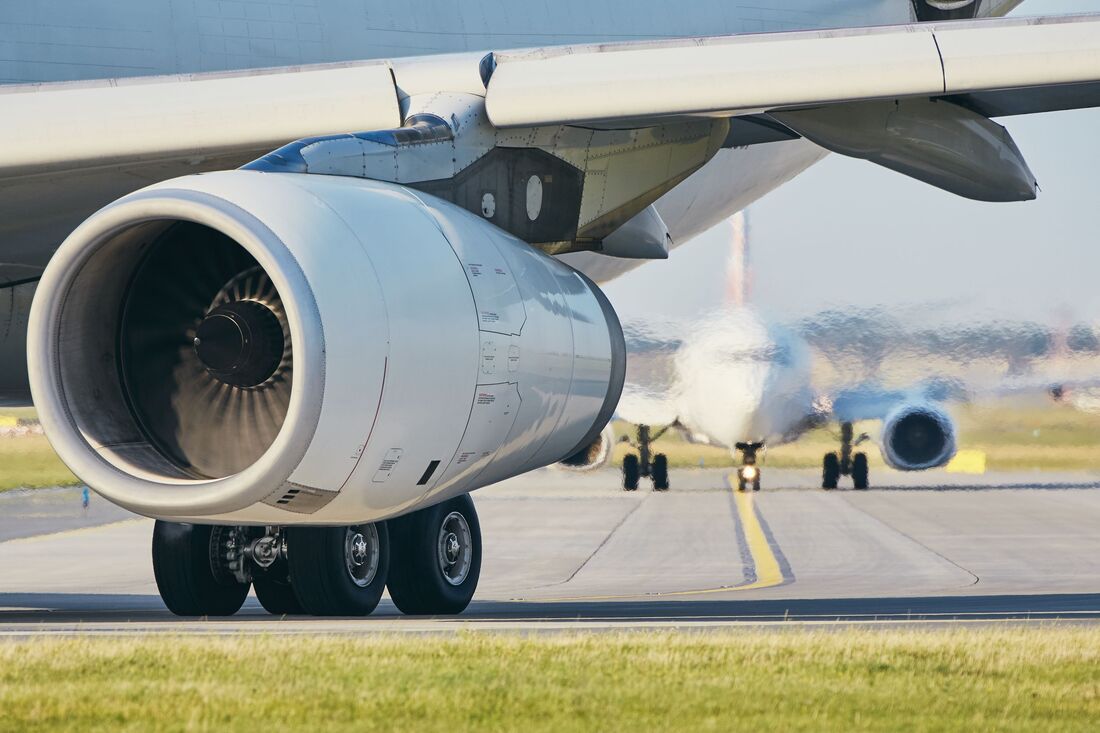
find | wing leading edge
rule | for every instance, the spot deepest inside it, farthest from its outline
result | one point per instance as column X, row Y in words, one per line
column 989, row 64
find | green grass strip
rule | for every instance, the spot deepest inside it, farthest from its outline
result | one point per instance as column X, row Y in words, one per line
column 975, row 679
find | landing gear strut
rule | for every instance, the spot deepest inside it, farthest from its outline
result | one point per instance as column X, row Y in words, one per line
column 749, row 473
column 640, row 465
column 846, row 463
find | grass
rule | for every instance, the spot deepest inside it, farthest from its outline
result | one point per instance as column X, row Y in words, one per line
column 1013, row 437
column 1045, row 438
column 976, row 679
column 29, row 462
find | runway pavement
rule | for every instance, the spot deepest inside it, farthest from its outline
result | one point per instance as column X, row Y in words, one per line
column 572, row 551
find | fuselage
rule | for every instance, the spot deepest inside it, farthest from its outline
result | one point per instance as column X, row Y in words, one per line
column 741, row 379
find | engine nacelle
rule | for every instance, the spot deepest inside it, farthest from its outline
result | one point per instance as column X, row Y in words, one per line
column 255, row 348
column 592, row 456
column 918, row 437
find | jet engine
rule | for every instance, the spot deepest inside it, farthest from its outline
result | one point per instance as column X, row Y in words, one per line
column 594, row 455
column 258, row 348
column 918, row 437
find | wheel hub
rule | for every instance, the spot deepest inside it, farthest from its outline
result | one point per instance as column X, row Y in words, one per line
column 362, row 553
column 452, row 547
column 456, row 549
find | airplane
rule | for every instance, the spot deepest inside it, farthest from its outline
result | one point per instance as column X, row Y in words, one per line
column 736, row 379
column 295, row 278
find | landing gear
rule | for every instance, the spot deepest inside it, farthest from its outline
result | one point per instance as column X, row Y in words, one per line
column 658, row 471
column 631, row 472
column 277, row 597
column 436, row 558
column 323, row 571
column 642, row 465
column 271, row 575
column 830, row 471
column 331, row 571
column 338, row 571
column 860, row 478
column 191, row 566
column 748, row 475
column 846, row 463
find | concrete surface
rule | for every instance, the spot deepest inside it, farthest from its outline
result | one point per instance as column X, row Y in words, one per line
column 572, row 551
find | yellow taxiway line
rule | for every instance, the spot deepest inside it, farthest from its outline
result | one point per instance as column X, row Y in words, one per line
column 765, row 565
column 768, row 572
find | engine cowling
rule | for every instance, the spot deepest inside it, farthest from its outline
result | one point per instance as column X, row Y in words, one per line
column 592, row 456
column 918, row 437
column 246, row 347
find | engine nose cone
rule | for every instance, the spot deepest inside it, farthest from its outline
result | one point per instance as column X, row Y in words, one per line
column 240, row 343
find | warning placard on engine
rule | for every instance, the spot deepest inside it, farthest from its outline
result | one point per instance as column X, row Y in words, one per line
column 497, row 297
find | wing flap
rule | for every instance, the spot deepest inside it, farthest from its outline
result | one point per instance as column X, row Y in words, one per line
column 749, row 74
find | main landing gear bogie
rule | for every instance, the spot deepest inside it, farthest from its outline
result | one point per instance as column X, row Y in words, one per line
column 846, row 462
column 644, row 464
column 430, row 560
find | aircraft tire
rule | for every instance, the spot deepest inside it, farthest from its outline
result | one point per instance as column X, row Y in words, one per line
column 185, row 577
column 860, row 471
column 436, row 558
column 277, row 596
column 660, row 472
column 631, row 472
column 338, row 571
column 830, row 471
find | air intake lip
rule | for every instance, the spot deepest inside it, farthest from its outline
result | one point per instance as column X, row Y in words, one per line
column 75, row 347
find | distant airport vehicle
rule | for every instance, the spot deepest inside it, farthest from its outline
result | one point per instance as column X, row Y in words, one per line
column 381, row 293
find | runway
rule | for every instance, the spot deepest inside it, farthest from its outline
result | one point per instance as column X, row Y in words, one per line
column 572, row 552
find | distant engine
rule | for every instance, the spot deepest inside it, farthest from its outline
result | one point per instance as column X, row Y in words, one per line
column 918, row 437
column 255, row 348
column 594, row 455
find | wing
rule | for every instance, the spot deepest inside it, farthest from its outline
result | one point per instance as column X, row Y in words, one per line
column 915, row 98
column 70, row 148
column 1000, row 67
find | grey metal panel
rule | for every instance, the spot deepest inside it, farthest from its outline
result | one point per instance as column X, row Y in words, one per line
column 756, row 130
column 1008, row 102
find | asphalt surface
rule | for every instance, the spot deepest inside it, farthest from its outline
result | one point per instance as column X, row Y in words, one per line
column 573, row 552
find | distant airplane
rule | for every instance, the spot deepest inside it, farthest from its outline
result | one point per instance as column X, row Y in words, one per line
column 380, row 294
column 732, row 378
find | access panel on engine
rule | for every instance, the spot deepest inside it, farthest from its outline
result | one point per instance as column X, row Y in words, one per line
column 491, row 419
